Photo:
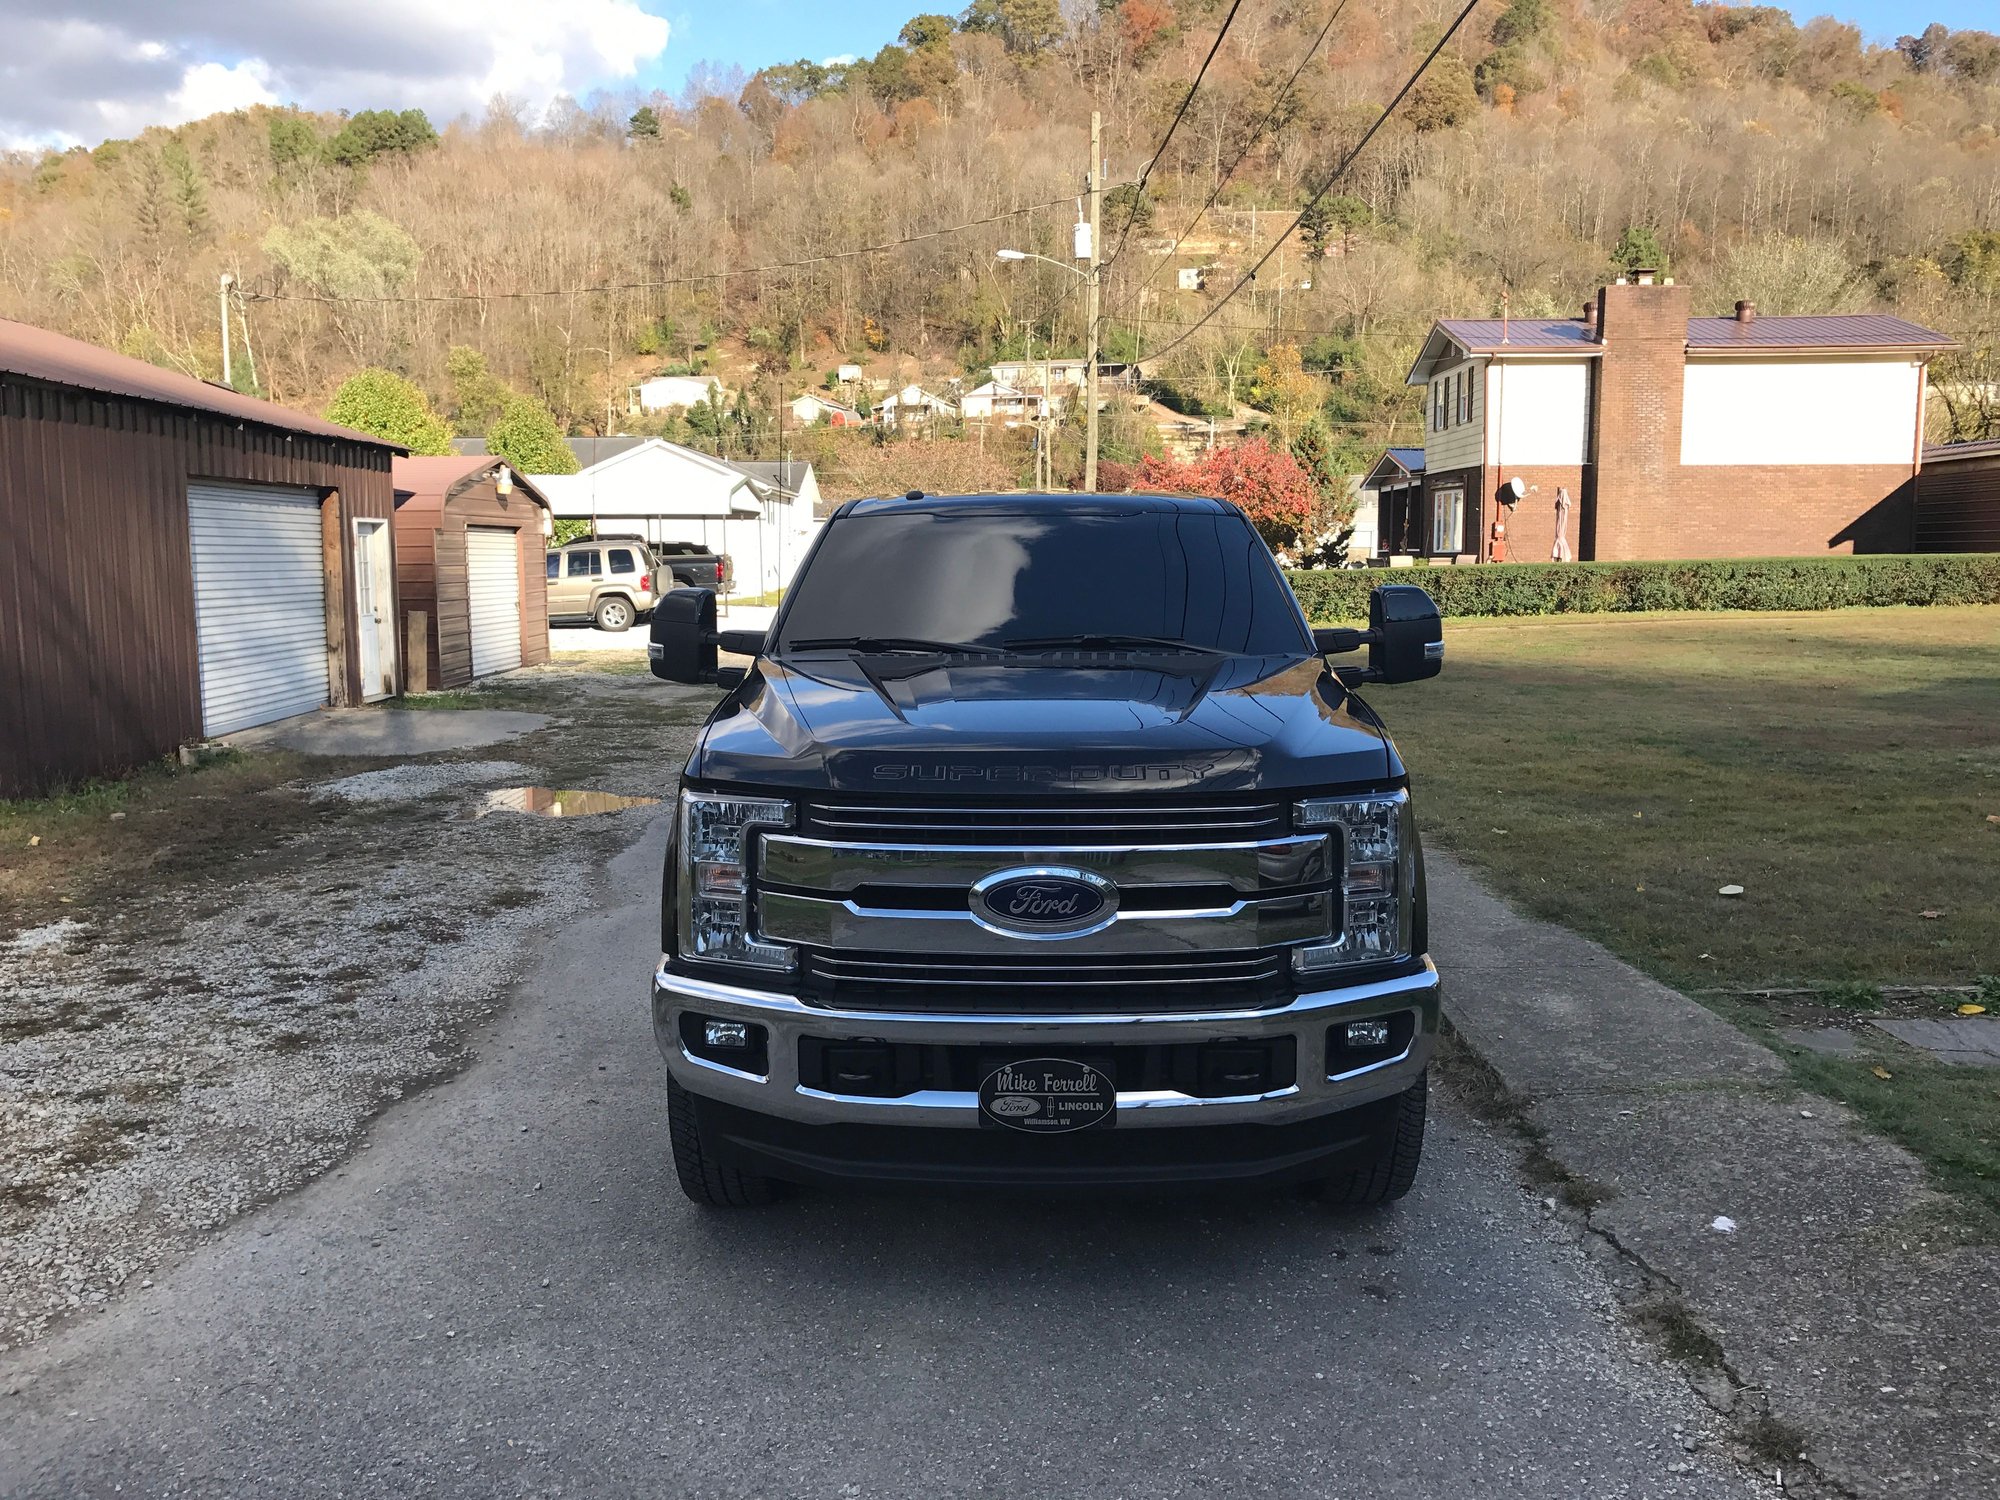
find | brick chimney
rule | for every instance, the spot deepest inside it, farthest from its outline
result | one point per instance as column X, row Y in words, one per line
column 1746, row 312
column 1636, row 439
column 1590, row 318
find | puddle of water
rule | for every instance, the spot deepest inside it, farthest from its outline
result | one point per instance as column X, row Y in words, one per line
column 553, row 802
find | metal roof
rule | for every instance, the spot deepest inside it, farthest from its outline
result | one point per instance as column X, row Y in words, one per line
column 426, row 482
column 1944, row 453
column 1815, row 331
column 788, row 476
column 1481, row 334
column 36, row 354
column 1393, row 467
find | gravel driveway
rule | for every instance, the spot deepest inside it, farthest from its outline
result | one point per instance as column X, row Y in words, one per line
column 502, row 1293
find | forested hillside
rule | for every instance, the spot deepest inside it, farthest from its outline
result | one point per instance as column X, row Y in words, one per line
column 624, row 236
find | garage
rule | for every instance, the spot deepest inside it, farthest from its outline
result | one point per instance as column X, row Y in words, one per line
column 184, row 560
column 493, row 592
column 471, row 578
column 259, row 602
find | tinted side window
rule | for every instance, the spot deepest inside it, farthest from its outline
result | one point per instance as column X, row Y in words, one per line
column 555, row 564
column 583, row 564
column 621, row 561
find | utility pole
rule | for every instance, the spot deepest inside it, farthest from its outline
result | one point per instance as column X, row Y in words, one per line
column 222, row 298
column 1095, row 185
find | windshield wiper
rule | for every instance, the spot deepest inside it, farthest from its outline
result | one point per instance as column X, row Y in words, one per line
column 1114, row 641
column 890, row 644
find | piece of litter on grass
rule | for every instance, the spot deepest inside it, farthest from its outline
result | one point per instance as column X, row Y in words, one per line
column 1503, row 830
column 34, row 839
column 1704, row 955
column 1993, row 817
column 1722, row 1224
column 1881, row 1072
column 1805, row 1114
column 1972, row 1010
column 1930, row 916
column 1638, row 815
column 1730, row 890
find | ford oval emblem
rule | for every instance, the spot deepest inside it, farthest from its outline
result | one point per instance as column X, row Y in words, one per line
column 1044, row 902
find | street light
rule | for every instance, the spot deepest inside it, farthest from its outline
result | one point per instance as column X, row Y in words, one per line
column 1090, row 369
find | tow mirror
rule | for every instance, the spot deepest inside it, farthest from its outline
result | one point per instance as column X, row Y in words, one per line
column 1405, row 638
column 685, row 641
column 1407, row 642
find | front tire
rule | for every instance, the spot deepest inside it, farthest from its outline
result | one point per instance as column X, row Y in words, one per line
column 1392, row 1170
column 614, row 614
column 702, row 1177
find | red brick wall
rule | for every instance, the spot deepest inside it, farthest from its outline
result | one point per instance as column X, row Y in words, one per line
column 1642, row 503
column 1531, row 522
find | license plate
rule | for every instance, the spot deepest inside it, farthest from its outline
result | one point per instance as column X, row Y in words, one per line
column 1047, row 1096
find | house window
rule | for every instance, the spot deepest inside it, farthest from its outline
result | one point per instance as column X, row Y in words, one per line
column 1447, row 521
column 1451, row 401
column 1437, row 406
column 1465, row 396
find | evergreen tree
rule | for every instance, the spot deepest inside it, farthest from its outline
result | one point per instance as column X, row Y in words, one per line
column 528, row 438
column 385, row 404
column 644, row 124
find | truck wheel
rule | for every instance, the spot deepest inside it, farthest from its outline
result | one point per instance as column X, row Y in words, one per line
column 704, row 1179
column 614, row 614
column 1398, row 1149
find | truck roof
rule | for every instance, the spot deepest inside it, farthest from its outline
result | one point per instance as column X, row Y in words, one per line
column 1096, row 504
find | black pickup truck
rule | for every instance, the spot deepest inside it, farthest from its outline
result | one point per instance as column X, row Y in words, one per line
column 1041, row 845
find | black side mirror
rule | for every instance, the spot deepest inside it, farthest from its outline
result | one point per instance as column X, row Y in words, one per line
column 1406, row 637
column 685, row 641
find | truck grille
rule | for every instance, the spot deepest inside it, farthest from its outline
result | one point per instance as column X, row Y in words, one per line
column 1027, row 985
column 1212, row 895
column 1085, row 821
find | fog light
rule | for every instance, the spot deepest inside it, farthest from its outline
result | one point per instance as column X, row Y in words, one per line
column 1372, row 1033
column 737, row 1033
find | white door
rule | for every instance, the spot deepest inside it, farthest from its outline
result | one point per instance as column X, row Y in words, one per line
column 493, row 590
column 259, row 603
column 375, row 609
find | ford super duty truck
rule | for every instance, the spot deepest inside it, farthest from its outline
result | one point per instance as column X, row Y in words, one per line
column 1040, row 843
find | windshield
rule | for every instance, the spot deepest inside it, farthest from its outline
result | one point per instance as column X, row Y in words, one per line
column 1033, row 578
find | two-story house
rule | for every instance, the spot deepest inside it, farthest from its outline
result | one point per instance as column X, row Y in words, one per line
column 1643, row 432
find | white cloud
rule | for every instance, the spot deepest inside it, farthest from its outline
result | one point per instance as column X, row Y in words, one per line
column 112, row 67
column 840, row 60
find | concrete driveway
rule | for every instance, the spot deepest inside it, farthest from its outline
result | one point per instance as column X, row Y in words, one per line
column 503, row 1293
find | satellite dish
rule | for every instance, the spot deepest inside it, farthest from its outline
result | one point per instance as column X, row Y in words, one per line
column 1515, row 488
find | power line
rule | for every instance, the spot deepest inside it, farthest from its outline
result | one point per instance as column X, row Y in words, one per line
column 668, row 281
column 1139, row 191
column 1277, row 103
column 1324, row 188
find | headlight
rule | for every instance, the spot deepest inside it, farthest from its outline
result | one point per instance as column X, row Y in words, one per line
column 1377, row 877
column 715, row 917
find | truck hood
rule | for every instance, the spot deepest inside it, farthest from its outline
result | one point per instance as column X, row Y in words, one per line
column 1135, row 724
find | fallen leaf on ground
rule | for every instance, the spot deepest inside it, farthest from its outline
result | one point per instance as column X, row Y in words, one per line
column 1730, row 890
column 1930, row 916
column 1882, row 1073
column 1972, row 1010
column 1993, row 817
column 34, row 839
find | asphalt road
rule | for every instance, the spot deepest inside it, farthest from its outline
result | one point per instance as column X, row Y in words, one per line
column 504, row 1294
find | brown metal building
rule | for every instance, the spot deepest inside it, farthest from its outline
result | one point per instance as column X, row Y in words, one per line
column 180, row 561
column 1958, row 498
column 471, row 536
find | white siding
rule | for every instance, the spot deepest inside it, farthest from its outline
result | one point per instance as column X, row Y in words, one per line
column 493, row 597
column 259, row 604
column 1539, row 412
column 1462, row 444
column 1800, row 411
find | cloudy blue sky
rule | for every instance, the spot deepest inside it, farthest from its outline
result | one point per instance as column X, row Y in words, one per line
column 87, row 69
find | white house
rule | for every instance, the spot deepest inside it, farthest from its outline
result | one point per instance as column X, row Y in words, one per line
column 847, row 374
column 913, row 405
column 672, row 392
column 761, row 515
column 1030, row 374
column 810, row 407
column 1009, row 403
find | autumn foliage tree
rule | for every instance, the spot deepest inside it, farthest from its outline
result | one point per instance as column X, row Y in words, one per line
column 1264, row 482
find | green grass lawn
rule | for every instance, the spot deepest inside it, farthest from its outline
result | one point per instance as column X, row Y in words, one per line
column 1612, row 773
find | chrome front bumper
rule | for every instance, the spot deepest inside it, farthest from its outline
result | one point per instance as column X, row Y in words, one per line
column 786, row 1018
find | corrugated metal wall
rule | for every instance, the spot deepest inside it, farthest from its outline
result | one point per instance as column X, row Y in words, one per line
column 1958, row 506
column 98, row 666
column 430, row 575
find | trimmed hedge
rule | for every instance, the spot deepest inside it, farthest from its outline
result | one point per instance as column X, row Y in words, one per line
column 1614, row 588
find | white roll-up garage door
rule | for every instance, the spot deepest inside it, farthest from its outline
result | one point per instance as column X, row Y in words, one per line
column 259, row 603
column 493, row 591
